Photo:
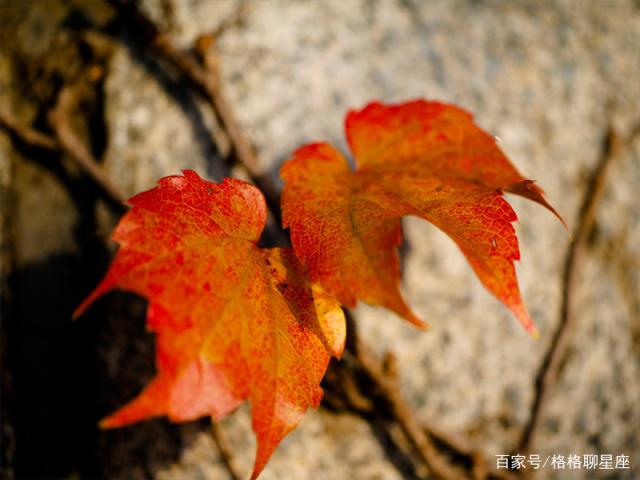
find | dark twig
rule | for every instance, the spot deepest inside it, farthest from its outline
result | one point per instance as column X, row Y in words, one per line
column 225, row 451
column 389, row 390
column 380, row 379
column 59, row 121
column 65, row 140
column 352, row 392
column 451, row 442
column 460, row 448
column 27, row 135
column 549, row 371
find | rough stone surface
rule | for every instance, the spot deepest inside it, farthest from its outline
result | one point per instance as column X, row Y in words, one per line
column 545, row 77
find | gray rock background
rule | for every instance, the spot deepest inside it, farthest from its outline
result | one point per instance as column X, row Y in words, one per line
column 545, row 77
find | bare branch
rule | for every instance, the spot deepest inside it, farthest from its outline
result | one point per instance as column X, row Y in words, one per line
column 71, row 144
column 549, row 371
column 27, row 135
column 65, row 140
column 400, row 410
column 225, row 451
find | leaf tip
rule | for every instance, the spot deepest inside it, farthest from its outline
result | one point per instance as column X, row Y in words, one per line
column 106, row 423
column 534, row 333
column 529, row 326
column 416, row 321
column 258, row 466
column 521, row 313
column 77, row 312
column 402, row 309
column 529, row 189
column 424, row 326
column 82, row 308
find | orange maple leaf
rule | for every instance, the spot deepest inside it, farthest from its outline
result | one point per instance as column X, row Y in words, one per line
column 419, row 158
column 232, row 321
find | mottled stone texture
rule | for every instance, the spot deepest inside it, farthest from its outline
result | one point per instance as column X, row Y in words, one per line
column 546, row 77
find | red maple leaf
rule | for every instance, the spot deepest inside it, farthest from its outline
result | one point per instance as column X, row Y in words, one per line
column 419, row 158
column 232, row 321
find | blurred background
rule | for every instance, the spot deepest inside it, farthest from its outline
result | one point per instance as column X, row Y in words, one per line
column 553, row 80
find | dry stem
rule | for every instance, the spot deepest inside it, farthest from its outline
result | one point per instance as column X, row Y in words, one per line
column 550, row 370
column 65, row 140
column 27, row 135
column 225, row 451
column 389, row 390
column 68, row 99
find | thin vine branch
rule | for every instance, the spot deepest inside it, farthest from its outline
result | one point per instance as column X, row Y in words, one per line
column 27, row 135
column 387, row 385
column 64, row 140
column 550, row 369
column 224, row 449
column 68, row 141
